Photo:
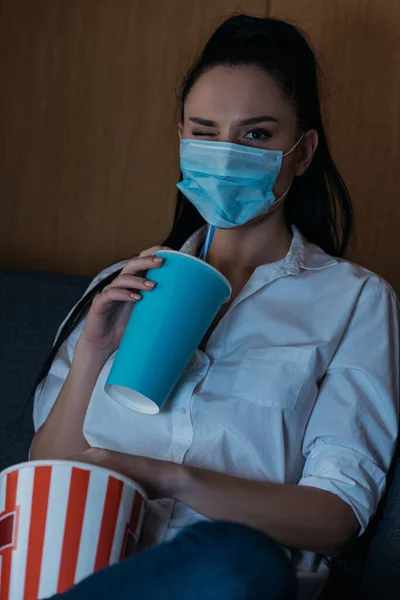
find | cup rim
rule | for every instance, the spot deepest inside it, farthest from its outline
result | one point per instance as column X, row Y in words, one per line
column 75, row 463
column 203, row 262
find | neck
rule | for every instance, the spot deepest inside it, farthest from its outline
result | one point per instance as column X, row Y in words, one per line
column 238, row 252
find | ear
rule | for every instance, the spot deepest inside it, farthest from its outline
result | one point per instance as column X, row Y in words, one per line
column 180, row 130
column 306, row 151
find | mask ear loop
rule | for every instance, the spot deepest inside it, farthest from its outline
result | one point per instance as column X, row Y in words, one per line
column 208, row 242
column 290, row 184
column 295, row 146
column 284, row 193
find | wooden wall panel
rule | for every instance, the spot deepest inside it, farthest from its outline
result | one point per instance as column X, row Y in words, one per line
column 88, row 148
column 359, row 46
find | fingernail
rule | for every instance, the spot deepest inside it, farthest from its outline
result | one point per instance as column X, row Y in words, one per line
column 158, row 259
column 149, row 284
column 136, row 296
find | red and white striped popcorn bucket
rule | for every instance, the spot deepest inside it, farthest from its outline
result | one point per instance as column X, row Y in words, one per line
column 60, row 521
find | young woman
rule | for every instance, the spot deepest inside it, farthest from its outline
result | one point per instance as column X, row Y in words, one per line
column 282, row 428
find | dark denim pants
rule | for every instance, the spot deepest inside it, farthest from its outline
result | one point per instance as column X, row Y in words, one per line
column 207, row 561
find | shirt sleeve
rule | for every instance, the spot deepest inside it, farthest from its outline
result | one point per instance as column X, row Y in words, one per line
column 351, row 435
column 46, row 394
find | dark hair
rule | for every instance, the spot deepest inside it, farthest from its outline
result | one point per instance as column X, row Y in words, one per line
column 318, row 202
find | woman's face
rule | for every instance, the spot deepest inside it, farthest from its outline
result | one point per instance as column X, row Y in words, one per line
column 244, row 105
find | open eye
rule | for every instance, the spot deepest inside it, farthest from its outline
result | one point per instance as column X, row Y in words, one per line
column 258, row 135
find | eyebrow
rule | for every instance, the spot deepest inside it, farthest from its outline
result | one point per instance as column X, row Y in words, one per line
column 251, row 121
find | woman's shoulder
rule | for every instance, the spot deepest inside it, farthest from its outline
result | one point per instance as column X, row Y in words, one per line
column 368, row 281
column 344, row 274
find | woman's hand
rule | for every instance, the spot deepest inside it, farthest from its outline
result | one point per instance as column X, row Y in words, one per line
column 158, row 477
column 109, row 313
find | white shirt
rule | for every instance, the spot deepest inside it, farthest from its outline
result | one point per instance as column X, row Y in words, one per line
column 299, row 384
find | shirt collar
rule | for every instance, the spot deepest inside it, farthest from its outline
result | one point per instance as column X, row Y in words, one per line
column 193, row 244
column 305, row 255
column 302, row 254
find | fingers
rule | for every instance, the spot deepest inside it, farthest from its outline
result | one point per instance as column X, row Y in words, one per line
column 126, row 287
column 131, row 282
column 145, row 261
column 104, row 301
column 152, row 250
column 142, row 264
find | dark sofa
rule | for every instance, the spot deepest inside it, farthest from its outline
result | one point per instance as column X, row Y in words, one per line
column 32, row 305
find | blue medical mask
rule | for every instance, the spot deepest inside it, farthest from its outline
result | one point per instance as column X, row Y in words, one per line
column 229, row 184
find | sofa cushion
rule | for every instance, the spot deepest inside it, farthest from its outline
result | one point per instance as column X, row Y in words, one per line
column 382, row 569
column 32, row 306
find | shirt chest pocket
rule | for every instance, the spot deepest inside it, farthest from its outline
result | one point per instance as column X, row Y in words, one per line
column 273, row 377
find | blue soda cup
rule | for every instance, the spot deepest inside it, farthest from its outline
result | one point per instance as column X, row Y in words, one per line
column 164, row 330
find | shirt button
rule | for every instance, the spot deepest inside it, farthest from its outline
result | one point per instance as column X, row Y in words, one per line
column 183, row 411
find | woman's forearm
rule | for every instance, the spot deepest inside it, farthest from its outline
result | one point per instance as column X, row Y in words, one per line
column 61, row 435
column 296, row 516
